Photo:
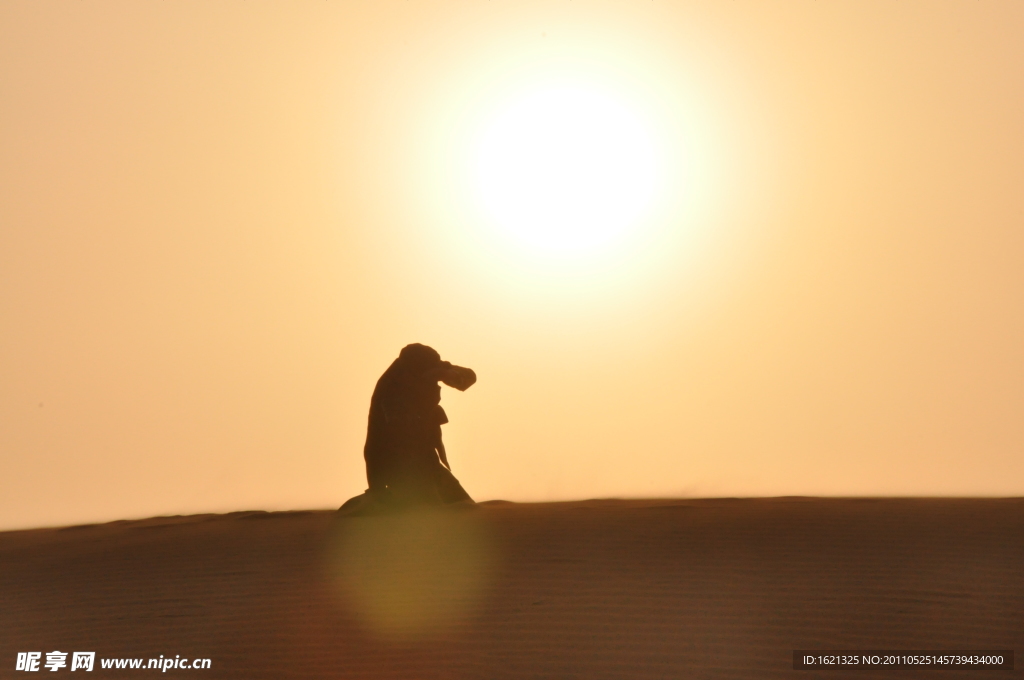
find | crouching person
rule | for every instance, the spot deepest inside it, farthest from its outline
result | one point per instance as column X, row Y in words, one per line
column 405, row 457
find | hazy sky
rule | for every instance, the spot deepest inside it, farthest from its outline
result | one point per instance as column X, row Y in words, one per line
column 220, row 222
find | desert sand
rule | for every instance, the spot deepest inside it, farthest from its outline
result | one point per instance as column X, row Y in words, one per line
column 716, row 588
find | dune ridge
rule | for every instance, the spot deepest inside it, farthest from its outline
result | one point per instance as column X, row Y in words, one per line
column 659, row 588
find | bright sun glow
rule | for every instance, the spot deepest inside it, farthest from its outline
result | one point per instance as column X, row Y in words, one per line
column 566, row 170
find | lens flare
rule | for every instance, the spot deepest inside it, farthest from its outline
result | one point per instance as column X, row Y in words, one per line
column 411, row 574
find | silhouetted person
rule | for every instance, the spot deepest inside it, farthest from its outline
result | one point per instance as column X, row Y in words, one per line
column 405, row 457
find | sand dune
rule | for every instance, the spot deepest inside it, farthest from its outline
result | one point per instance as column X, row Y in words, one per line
column 721, row 588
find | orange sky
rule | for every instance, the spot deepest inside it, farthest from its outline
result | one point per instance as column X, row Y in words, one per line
column 220, row 222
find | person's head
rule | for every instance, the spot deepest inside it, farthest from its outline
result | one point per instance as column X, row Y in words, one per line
column 417, row 358
column 424, row 362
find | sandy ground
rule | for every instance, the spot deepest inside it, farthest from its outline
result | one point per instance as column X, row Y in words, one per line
column 718, row 588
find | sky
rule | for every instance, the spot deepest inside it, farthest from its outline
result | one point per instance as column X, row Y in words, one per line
column 220, row 222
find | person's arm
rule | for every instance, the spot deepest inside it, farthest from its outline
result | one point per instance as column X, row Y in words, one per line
column 459, row 377
column 441, row 454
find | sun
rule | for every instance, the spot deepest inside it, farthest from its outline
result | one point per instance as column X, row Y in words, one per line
column 566, row 170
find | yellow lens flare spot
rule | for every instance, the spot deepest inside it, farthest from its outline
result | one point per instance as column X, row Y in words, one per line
column 411, row 574
column 566, row 170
